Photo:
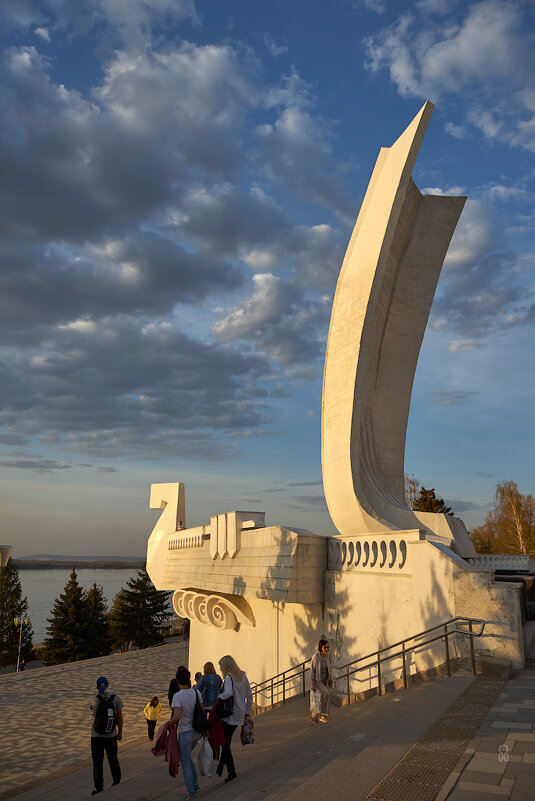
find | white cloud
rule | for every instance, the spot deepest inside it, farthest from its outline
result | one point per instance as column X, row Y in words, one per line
column 126, row 211
column 506, row 193
column 486, row 59
column 298, row 147
column 480, row 292
column 42, row 33
column 457, row 131
column 281, row 323
column 274, row 48
column 270, row 300
column 457, row 345
column 372, row 5
column 134, row 19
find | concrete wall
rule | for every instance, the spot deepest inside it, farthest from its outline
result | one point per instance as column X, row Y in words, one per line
column 476, row 595
column 284, row 635
column 368, row 610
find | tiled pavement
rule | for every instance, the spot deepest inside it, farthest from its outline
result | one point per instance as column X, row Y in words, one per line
column 45, row 712
column 499, row 763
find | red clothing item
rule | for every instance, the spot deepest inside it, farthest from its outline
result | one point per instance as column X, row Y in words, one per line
column 216, row 735
column 167, row 746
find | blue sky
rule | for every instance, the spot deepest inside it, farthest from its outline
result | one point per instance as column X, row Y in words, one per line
column 180, row 181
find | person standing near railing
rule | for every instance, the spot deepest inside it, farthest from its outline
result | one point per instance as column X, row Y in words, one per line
column 321, row 678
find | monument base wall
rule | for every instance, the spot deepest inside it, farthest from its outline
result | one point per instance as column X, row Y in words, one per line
column 368, row 609
column 284, row 635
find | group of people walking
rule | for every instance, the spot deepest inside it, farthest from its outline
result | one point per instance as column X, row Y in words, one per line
column 235, row 685
column 211, row 690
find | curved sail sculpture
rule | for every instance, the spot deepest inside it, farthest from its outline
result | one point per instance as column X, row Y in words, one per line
column 380, row 311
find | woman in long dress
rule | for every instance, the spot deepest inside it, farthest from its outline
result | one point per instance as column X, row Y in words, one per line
column 321, row 678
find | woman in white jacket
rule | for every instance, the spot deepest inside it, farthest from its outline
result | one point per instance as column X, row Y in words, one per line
column 236, row 684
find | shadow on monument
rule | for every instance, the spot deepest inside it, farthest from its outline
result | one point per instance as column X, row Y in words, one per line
column 300, row 623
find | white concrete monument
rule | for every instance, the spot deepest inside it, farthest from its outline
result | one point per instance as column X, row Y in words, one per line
column 267, row 593
column 380, row 310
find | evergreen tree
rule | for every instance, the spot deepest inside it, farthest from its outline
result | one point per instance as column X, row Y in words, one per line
column 137, row 612
column 68, row 629
column 98, row 637
column 13, row 605
column 427, row 501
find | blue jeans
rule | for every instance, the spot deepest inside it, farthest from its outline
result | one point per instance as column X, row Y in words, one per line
column 187, row 740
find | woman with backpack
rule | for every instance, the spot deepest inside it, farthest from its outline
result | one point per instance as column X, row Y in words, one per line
column 183, row 705
column 235, row 686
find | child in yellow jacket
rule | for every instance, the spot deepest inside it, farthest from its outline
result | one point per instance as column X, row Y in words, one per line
column 153, row 710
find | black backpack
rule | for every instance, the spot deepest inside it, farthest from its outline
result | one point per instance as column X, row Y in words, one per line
column 200, row 719
column 105, row 716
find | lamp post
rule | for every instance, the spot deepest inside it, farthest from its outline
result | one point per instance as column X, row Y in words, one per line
column 20, row 621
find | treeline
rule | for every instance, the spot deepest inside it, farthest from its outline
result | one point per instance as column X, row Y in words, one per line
column 509, row 526
column 80, row 625
column 41, row 564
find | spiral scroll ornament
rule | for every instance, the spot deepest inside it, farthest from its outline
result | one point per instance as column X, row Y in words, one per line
column 221, row 611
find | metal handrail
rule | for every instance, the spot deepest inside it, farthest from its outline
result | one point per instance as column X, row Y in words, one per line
column 302, row 667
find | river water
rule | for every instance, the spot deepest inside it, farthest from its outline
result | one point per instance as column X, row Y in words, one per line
column 42, row 587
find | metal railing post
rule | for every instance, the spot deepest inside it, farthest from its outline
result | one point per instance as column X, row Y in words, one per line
column 256, row 698
column 379, row 674
column 405, row 682
column 284, row 687
column 348, row 692
column 304, row 688
column 472, row 655
column 272, row 693
column 447, row 644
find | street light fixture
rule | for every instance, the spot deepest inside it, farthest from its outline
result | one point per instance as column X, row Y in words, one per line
column 20, row 621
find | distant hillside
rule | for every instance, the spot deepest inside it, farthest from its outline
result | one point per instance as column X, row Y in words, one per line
column 36, row 564
column 55, row 557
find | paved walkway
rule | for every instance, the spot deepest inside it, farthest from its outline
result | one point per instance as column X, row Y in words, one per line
column 500, row 761
column 349, row 759
column 45, row 712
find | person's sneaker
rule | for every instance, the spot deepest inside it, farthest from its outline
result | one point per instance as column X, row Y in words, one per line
column 196, row 789
column 323, row 718
column 95, row 792
column 314, row 720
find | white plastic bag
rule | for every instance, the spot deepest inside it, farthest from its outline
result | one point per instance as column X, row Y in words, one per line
column 205, row 758
column 315, row 703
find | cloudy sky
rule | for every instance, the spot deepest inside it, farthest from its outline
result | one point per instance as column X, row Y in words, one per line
column 179, row 183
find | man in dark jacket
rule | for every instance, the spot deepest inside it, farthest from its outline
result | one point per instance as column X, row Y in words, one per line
column 108, row 735
column 173, row 686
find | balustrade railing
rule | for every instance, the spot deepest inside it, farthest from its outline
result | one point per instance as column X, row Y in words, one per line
column 296, row 675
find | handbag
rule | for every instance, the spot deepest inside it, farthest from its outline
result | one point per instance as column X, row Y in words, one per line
column 247, row 732
column 225, row 705
column 199, row 721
